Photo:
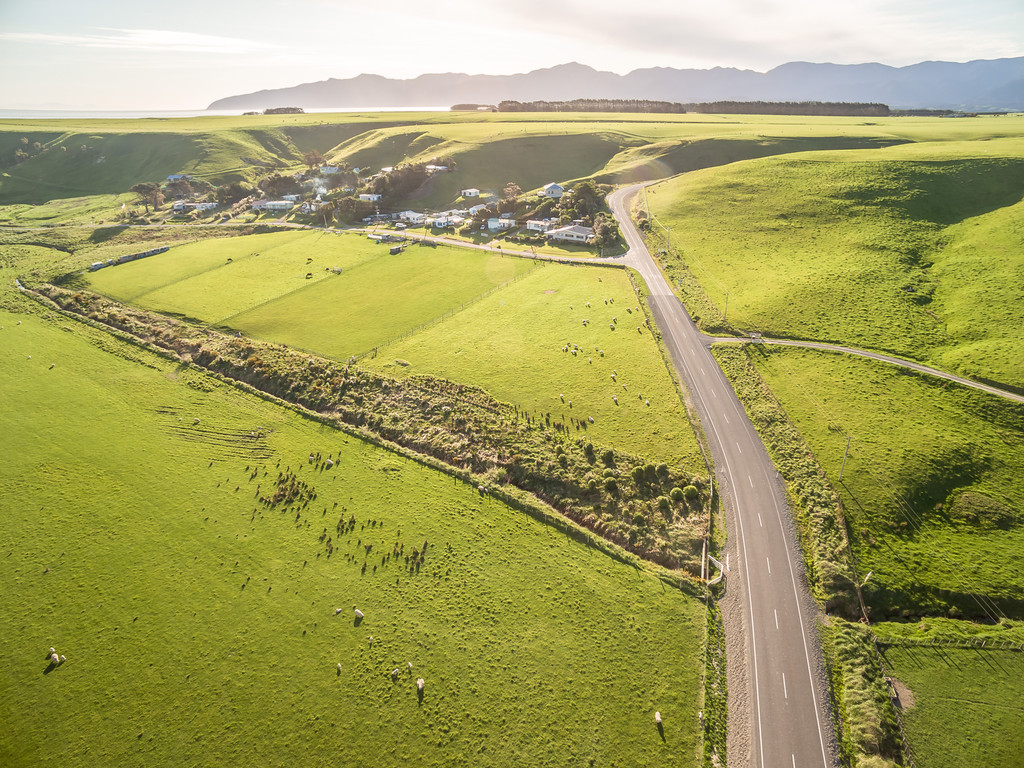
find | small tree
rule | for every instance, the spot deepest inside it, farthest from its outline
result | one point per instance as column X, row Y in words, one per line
column 313, row 159
column 149, row 193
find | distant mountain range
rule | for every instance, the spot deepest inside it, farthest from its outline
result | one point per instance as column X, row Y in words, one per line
column 974, row 86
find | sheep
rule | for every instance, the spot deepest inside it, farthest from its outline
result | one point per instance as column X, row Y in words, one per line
column 63, row 659
column 54, row 659
column 195, row 421
column 371, row 641
column 419, row 684
column 647, row 402
column 657, row 717
column 338, row 610
column 339, row 667
column 410, row 666
column 359, row 614
column 394, row 673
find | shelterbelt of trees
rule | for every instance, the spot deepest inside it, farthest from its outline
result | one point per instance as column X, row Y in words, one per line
column 845, row 109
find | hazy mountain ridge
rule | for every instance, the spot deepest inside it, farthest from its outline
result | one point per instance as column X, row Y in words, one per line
column 982, row 85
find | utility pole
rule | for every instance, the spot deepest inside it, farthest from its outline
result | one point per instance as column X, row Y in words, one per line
column 845, row 454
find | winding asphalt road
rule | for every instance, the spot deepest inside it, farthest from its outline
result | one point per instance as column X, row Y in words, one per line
column 779, row 696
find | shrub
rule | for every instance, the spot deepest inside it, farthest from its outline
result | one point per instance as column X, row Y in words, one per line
column 639, row 519
column 663, row 503
column 676, row 494
column 611, row 485
column 662, row 470
column 608, row 457
column 690, row 492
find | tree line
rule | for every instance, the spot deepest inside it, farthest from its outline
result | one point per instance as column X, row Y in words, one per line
column 844, row 109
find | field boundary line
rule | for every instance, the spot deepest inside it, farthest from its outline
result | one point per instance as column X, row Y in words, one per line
column 965, row 643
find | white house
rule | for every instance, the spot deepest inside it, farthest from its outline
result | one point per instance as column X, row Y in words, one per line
column 541, row 225
column 328, row 170
column 277, row 206
column 552, row 190
column 412, row 217
column 500, row 225
column 475, row 209
column 447, row 220
column 178, row 206
column 203, row 206
column 292, row 198
column 574, row 233
column 372, row 197
column 471, row 192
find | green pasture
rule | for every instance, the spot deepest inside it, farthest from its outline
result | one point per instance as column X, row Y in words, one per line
column 527, row 344
column 915, row 249
column 190, row 613
column 216, row 279
column 961, row 706
column 932, row 490
column 81, row 158
column 263, row 291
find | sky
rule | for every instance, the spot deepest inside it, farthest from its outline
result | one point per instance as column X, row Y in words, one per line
column 119, row 55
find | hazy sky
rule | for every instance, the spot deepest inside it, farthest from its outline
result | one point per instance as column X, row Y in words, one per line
column 114, row 54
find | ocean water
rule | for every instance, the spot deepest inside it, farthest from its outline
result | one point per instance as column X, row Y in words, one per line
column 70, row 114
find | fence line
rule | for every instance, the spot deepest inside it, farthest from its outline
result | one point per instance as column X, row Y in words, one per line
column 986, row 643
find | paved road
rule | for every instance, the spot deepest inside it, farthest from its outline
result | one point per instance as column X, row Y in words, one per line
column 785, row 713
column 885, row 359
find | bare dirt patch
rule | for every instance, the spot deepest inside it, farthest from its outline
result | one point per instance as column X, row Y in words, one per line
column 903, row 696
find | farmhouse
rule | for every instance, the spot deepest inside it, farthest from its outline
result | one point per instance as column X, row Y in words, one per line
column 179, row 177
column 541, row 225
column 328, row 170
column 551, row 190
column 574, row 233
column 370, row 196
column 471, row 192
column 412, row 217
column 475, row 209
column 277, row 206
column 292, row 198
column 499, row 225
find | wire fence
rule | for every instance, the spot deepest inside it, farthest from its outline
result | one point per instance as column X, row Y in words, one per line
column 981, row 643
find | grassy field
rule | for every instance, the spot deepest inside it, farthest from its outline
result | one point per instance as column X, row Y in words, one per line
column 81, row 158
column 961, row 706
column 934, row 515
column 263, row 292
column 190, row 611
column 546, row 359
column 258, row 285
column 912, row 249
